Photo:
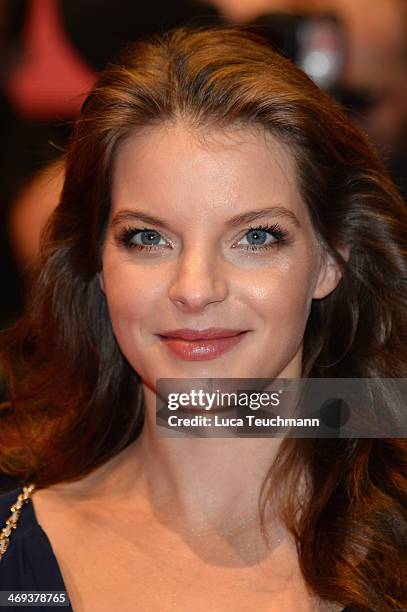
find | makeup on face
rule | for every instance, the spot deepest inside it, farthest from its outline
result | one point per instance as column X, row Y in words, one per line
column 208, row 238
column 201, row 345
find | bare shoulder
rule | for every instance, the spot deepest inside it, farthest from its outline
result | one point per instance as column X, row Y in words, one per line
column 55, row 511
column 102, row 488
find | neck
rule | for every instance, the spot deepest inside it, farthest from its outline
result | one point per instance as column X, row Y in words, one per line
column 203, row 480
column 205, row 489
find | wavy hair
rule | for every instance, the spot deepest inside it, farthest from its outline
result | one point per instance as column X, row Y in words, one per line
column 74, row 400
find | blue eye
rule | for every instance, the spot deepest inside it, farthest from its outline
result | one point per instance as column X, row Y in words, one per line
column 148, row 237
column 142, row 239
column 258, row 238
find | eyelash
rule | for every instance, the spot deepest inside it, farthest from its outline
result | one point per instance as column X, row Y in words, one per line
column 128, row 233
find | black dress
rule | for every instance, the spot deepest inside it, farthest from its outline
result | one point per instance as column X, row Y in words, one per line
column 29, row 562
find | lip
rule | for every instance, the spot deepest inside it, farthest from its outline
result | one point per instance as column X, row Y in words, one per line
column 200, row 345
column 201, row 334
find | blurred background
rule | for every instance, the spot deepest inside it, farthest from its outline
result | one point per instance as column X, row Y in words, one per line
column 52, row 50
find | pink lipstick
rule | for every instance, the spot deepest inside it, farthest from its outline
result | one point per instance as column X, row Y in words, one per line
column 199, row 345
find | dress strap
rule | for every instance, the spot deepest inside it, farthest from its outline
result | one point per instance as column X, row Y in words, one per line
column 11, row 522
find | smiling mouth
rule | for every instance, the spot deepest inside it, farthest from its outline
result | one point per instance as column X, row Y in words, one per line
column 200, row 349
column 203, row 334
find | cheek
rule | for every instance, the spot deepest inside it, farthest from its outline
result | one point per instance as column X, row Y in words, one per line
column 278, row 296
column 131, row 294
column 282, row 297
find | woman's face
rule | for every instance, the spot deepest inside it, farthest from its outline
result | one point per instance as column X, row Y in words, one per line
column 207, row 233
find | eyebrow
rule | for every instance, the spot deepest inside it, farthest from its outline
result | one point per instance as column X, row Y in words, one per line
column 247, row 217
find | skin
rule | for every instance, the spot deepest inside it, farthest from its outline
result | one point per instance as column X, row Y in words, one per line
column 201, row 275
column 170, row 507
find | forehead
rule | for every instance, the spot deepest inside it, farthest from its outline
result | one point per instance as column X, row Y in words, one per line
column 176, row 169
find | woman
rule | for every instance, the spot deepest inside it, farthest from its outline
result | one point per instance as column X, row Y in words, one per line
column 209, row 186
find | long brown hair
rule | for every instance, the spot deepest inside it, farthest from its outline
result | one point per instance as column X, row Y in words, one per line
column 74, row 400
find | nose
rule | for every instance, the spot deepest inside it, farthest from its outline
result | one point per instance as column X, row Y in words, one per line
column 198, row 281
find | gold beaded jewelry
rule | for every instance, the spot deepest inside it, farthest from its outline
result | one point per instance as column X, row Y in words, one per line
column 11, row 522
